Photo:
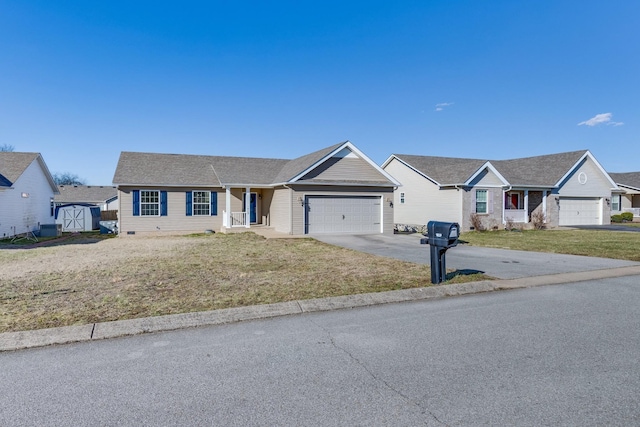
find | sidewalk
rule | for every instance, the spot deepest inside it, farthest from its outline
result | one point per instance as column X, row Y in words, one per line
column 43, row 337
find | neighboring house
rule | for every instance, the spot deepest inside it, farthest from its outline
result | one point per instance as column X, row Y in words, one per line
column 564, row 189
column 628, row 198
column 26, row 193
column 334, row 190
column 103, row 196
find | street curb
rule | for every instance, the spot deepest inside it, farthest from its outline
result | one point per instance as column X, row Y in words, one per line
column 64, row 335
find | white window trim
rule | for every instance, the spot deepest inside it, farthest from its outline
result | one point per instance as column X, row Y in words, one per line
column 194, row 203
column 486, row 202
column 142, row 203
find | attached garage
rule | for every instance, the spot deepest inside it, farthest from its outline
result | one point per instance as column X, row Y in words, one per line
column 343, row 214
column 580, row 211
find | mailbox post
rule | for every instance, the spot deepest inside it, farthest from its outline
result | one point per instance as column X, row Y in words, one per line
column 440, row 237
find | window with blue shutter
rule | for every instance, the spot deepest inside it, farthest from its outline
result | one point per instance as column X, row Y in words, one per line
column 214, row 203
column 189, row 203
column 136, row 202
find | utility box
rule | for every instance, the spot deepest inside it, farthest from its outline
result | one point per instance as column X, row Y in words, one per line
column 50, row 230
column 440, row 237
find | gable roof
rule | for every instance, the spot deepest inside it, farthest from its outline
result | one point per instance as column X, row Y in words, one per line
column 441, row 170
column 14, row 164
column 545, row 171
column 86, row 193
column 627, row 179
column 170, row 170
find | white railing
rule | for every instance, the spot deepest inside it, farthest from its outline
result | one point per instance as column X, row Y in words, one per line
column 515, row 215
column 635, row 211
column 238, row 219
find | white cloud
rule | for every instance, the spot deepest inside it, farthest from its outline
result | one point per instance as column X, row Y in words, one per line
column 440, row 106
column 598, row 119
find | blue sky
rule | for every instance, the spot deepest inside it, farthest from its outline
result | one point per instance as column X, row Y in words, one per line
column 81, row 81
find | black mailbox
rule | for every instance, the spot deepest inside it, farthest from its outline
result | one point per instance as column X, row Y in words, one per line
column 443, row 234
column 440, row 237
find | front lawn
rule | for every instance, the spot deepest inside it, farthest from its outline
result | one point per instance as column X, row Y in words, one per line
column 91, row 280
column 596, row 243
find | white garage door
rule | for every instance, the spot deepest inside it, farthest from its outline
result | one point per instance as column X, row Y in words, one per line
column 580, row 211
column 348, row 214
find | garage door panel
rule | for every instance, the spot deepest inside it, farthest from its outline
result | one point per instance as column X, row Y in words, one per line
column 347, row 214
column 580, row 211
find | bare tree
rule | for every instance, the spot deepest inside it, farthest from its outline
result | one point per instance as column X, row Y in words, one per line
column 68, row 178
column 6, row 147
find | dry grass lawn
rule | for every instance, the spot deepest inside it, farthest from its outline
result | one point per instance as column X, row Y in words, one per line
column 96, row 280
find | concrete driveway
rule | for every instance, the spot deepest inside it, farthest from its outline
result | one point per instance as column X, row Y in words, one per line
column 498, row 263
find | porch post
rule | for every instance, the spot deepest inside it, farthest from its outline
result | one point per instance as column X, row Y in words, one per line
column 247, row 207
column 526, row 206
column 228, row 207
column 544, row 205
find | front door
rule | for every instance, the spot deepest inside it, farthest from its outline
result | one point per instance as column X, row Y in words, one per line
column 253, row 207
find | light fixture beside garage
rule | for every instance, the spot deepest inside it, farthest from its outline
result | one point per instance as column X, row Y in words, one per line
column 301, row 200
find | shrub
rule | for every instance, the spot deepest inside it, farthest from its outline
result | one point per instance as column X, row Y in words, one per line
column 537, row 219
column 476, row 222
column 616, row 218
column 627, row 216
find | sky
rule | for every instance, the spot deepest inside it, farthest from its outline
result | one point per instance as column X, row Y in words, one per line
column 81, row 81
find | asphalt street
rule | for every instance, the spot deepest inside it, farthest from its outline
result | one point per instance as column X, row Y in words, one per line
column 498, row 263
column 551, row 355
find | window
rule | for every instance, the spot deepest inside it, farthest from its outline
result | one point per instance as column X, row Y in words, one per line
column 201, row 203
column 615, row 203
column 402, row 198
column 149, row 203
column 481, row 201
column 512, row 201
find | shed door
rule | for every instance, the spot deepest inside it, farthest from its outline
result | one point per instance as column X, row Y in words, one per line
column 580, row 211
column 343, row 214
column 73, row 219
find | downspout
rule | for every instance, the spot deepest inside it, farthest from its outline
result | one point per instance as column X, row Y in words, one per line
column 504, row 192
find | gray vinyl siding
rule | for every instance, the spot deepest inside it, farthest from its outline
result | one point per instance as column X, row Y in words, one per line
column 345, row 168
column 175, row 222
column 597, row 184
column 486, row 178
column 424, row 200
column 280, row 210
column 301, row 191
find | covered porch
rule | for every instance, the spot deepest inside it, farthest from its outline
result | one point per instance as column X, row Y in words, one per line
column 519, row 204
column 246, row 207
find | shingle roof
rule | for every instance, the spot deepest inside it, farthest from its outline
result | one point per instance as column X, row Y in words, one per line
column 443, row 170
column 628, row 179
column 296, row 166
column 544, row 171
column 194, row 170
column 85, row 193
column 12, row 165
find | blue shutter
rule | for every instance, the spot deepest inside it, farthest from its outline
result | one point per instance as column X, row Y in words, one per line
column 163, row 203
column 136, row 202
column 214, row 203
column 189, row 203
